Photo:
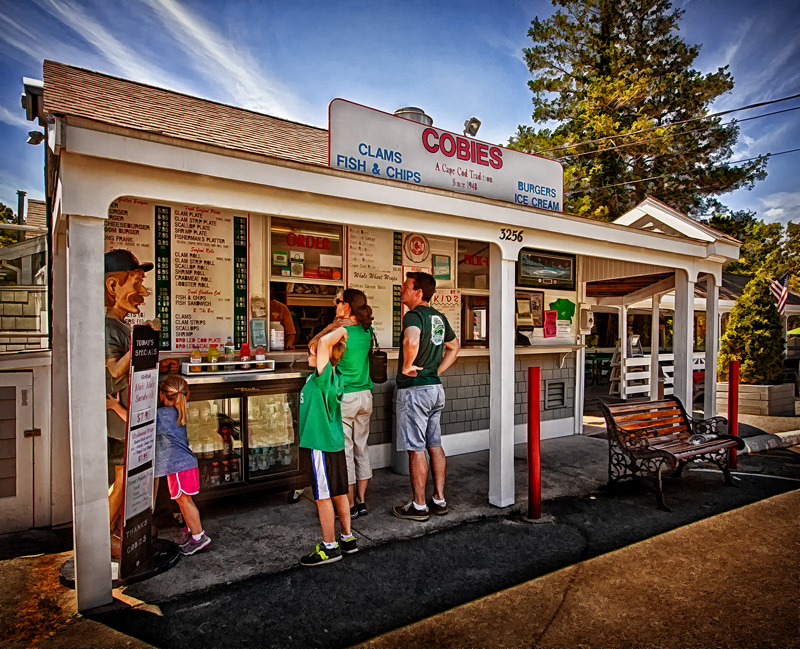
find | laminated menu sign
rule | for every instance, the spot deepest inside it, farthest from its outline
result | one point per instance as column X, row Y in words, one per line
column 202, row 277
column 140, row 446
column 372, row 270
column 448, row 302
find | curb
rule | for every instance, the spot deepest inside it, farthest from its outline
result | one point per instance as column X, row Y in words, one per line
column 759, row 443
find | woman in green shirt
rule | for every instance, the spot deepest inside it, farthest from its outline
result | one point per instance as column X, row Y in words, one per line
column 353, row 312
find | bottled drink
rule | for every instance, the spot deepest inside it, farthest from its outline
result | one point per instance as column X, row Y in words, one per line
column 252, row 464
column 213, row 358
column 226, row 471
column 235, row 474
column 229, row 350
column 195, row 360
column 261, row 357
column 215, row 474
column 244, row 357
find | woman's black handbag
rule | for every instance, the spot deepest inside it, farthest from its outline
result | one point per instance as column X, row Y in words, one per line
column 377, row 362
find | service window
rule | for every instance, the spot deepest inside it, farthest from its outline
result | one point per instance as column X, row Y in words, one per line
column 473, row 282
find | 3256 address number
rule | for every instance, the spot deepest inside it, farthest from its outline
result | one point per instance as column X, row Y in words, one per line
column 507, row 234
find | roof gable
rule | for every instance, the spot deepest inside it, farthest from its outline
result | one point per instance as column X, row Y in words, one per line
column 654, row 216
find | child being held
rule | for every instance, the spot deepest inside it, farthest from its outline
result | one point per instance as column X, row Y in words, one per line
column 175, row 460
column 321, row 433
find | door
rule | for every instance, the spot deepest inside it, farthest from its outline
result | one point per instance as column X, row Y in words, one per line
column 16, row 452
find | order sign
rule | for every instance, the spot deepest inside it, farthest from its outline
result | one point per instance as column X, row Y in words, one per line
column 368, row 141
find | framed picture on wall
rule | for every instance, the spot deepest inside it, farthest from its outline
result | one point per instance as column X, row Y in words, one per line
column 542, row 268
column 537, row 308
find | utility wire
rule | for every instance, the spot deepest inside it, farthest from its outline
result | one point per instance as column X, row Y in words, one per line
column 673, row 135
column 671, row 124
column 644, row 180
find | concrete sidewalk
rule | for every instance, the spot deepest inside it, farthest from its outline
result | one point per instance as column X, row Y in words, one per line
column 726, row 581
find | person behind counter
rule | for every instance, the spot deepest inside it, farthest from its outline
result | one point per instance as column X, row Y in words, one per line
column 353, row 312
column 279, row 312
column 175, row 460
column 321, row 433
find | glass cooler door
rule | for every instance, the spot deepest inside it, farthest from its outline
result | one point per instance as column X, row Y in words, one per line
column 272, row 434
column 214, row 429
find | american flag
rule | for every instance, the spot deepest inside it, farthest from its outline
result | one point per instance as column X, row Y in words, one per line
column 780, row 291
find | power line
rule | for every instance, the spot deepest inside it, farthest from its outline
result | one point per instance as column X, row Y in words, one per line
column 644, row 180
column 664, row 137
column 678, row 123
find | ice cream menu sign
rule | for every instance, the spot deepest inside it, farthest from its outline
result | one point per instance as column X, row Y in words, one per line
column 375, row 272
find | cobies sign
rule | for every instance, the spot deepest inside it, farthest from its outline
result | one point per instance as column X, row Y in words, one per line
column 374, row 143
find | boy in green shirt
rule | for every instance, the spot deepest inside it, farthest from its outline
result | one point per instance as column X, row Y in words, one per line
column 321, row 433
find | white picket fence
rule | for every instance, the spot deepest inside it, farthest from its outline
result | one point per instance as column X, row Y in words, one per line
column 637, row 374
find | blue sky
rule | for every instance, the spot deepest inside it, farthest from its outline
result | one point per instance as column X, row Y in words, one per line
column 453, row 58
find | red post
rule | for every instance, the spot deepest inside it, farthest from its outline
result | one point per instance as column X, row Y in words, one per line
column 534, row 455
column 733, row 406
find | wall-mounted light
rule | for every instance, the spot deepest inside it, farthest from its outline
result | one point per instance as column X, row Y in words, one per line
column 471, row 126
column 35, row 137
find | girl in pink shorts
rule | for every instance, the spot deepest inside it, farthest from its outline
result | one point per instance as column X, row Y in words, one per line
column 175, row 460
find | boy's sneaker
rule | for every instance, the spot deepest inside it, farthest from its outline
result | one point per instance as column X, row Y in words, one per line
column 411, row 513
column 321, row 555
column 440, row 510
column 362, row 509
column 348, row 546
column 191, row 546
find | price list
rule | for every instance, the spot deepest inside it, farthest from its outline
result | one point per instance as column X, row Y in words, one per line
column 162, row 296
column 240, row 280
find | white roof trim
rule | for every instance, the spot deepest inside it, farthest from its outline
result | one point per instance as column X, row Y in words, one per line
column 673, row 220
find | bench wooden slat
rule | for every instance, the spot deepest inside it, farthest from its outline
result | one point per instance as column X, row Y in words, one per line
column 649, row 416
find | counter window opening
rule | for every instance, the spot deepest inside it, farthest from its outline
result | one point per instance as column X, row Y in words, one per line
column 473, row 282
column 306, row 271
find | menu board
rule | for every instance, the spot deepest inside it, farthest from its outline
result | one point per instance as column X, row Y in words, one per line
column 130, row 227
column 198, row 288
column 372, row 269
column 448, row 302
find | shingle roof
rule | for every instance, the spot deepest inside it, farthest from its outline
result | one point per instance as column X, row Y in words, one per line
column 118, row 102
column 36, row 214
column 733, row 286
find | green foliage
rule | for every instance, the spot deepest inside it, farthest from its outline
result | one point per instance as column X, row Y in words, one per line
column 7, row 236
column 754, row 336
column 613, row 67
column 767, row 248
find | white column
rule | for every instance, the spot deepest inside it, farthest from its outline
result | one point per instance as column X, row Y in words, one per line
column 655, row 343
column 683, row 338
column 623, row 352
column 501, row 376
column 712, row 346
column 87, row 418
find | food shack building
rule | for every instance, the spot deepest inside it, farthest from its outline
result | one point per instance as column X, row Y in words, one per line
column 236, row 209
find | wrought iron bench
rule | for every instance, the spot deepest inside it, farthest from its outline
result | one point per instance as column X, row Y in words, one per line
column 646, row 438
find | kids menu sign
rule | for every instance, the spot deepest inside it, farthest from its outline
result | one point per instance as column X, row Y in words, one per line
column 198, row 288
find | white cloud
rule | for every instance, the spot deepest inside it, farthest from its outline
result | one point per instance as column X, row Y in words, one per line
column 782, row 207
column 229, row 65
column 16, row 118
column 128, row 62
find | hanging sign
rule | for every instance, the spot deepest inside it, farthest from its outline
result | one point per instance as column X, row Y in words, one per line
column 367, row 141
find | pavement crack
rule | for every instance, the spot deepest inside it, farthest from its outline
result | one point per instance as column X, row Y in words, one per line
column 537, row 641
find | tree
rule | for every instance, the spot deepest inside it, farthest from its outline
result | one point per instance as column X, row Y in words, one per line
column 7, row 236
column 754, row 336
column 612, row 68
